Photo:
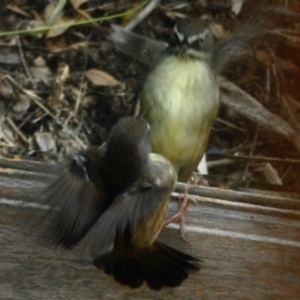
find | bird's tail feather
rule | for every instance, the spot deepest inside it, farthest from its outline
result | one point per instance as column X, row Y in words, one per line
column 159, row 266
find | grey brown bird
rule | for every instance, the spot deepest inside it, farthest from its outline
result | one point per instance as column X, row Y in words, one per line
column 180, row 100
column 180, row 97
column 114, row 202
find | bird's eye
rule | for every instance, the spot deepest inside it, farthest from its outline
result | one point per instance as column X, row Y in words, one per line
column 197, row 44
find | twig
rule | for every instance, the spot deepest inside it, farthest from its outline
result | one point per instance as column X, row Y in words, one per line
column 220, row 162
column 39, row 103
column 16, row 129
column 261, row 158
column 23, row 59
column 142, row 15
column 251, row 153
column 229, row 124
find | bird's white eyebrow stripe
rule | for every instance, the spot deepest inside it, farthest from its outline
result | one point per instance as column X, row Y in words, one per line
column 191, row 39
column 179, row 34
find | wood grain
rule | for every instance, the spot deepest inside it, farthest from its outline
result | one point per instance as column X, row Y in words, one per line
column 249, row 250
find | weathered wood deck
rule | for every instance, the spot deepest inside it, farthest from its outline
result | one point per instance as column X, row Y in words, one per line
column 250, row 250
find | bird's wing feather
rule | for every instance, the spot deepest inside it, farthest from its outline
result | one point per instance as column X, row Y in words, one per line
column 119, row 223
column 75, row 204
column 145, row 50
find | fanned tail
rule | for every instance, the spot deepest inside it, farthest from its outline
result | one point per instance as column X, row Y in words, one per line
column 159, row 266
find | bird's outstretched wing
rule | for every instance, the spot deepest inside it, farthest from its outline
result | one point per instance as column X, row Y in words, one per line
column 132, row 221
column 144, row 49
column 76, row 200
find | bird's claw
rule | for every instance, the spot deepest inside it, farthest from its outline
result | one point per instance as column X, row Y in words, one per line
column 179, row 216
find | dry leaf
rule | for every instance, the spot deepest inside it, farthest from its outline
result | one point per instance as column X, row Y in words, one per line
column 63, row 72
column 77, row 3
column 219, row 31
column 41, row 74
column 61, row 24
column 57, row 44
column 237, row 6
column 7, row 135
column 22, row 105
column 10, row 59
column 49, row 11
column 39, row 62
column 18, row 10
column 101, row 78
column 6, row 91
column 33, row 25
column 271, row 174
column 45, row 141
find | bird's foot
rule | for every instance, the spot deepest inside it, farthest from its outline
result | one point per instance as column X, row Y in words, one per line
column 179, row 216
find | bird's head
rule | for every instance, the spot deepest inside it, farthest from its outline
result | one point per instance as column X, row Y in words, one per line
column 192, row 38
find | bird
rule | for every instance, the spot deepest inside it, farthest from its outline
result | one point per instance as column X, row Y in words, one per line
column 113, row 200
column 180, row 100
column 180, row 97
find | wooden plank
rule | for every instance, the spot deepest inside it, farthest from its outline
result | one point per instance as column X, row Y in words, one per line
column 249, row 251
